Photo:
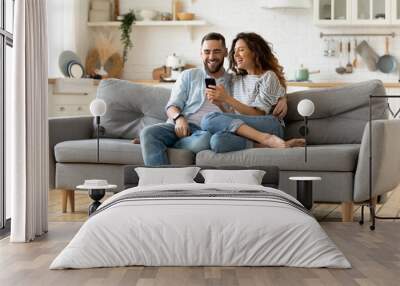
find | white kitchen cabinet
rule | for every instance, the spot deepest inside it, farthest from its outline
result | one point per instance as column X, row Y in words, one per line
column 395, row 12
column 332, row 12
column 70, row 103
column 371, row 12
column 356, row 12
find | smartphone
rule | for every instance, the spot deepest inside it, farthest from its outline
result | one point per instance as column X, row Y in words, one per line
column 210, row 81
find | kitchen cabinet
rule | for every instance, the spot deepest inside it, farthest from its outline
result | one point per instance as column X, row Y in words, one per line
column 356, row 12
column 371, row 12
column 69, row 103
column 332, row 12
column 395, row 12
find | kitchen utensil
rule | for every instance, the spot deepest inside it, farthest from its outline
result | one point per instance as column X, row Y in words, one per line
column 303, row 74
column 369, row 56
column 65, row 58
column 387, row 63
column 185, row 16
column 75, row 70
column 340, row 69
column 349, row 66
column 355, row 54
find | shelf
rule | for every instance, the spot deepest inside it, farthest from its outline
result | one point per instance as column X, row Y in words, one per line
column 150, row 23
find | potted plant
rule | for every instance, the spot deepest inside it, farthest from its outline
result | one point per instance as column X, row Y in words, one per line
column 126, row 30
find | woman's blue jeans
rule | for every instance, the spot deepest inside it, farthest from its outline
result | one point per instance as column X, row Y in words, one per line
column 223, row 126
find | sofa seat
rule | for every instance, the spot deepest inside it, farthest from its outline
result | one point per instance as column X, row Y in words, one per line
column 112, row 151
column 332, row 158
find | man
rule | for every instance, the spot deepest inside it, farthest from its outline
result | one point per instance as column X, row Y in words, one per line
column 187, row 105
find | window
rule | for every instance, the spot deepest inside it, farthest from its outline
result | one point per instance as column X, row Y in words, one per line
column 6, row 44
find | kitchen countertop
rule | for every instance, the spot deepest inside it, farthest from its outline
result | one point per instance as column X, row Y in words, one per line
column 289, row 83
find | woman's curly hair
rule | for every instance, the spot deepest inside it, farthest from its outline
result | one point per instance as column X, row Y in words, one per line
column 264, row 58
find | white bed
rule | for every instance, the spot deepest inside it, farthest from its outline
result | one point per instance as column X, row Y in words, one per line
column 253, row 229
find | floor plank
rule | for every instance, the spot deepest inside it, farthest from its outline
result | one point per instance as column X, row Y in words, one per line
column 374, row 255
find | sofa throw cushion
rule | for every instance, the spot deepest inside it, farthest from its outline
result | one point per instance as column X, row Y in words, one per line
column 131, row 107
column 340, row 113
column 166, row 176
column 248, row 177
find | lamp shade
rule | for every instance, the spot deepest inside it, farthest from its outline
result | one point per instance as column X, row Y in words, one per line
column 306, row 107
column 98, row 107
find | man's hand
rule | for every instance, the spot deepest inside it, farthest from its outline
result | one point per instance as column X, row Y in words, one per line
column 281, row 108
column 182, row 127
column 217, row 94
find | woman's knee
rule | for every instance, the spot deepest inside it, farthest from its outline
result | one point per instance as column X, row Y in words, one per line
column 207, row 122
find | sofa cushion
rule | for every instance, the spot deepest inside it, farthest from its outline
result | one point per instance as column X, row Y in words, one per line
column 112, row 151
column 341, row 157
column 340, row 113
column 130, row 107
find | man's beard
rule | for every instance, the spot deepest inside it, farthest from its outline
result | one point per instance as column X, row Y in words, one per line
column 214, row 70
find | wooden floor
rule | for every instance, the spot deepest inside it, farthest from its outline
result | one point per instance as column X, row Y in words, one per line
column 375, row 258
column 374, row 255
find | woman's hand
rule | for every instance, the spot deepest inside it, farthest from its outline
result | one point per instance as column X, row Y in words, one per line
column 217, row 94
column 281, row 108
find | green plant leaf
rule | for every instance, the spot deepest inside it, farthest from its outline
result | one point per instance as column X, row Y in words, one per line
column 126, row 30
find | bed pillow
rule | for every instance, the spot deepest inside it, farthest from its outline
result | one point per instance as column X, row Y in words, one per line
column 166, row 176
column 248, row 177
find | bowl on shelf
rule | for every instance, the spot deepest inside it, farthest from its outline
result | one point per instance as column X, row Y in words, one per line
column 148, row 15
column 185, row 16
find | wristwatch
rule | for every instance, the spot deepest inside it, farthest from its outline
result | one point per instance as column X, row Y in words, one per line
column 177, row 116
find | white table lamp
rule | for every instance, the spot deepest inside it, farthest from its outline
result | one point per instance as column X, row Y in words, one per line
column 98, row 107
column 305, row 108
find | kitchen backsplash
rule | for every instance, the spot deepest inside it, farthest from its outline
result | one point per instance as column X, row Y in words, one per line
column 294, row 37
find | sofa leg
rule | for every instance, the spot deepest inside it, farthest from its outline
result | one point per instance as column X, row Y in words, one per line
column 64, row 195
column 67, row 195
column 347, row 211
column 71, row 198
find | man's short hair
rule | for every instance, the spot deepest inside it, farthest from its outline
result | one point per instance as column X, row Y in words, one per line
column 214, row 36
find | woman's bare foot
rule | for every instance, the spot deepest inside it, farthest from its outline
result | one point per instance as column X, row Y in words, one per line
column 135, row 141
column 272, row 141
column 295, row 142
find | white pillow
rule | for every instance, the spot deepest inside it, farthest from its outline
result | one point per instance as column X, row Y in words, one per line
column 248, row 177
column 166, row 176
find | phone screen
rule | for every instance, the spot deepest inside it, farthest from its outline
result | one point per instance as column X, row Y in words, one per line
column 210, row 81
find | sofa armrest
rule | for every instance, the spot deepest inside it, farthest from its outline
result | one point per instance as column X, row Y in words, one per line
column 385, row 160
column 65, row 129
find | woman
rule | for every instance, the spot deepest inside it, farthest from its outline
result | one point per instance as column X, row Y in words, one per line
column 258, row 88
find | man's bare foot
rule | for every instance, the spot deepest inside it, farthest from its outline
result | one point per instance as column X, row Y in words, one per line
column 136, row 141
column 272, row 141
column 295, row 142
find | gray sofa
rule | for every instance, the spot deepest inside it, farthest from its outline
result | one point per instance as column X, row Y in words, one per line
column 339, row 139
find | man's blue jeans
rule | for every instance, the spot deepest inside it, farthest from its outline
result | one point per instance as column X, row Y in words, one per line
column 223, row 126
column 155, row 140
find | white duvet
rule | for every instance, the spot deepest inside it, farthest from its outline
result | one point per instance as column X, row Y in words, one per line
column 185, row 231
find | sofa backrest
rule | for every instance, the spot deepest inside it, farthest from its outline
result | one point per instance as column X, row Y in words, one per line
column 131, row 107
column 340, row 113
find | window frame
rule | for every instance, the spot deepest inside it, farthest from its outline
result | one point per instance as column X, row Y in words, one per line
column 6, row 39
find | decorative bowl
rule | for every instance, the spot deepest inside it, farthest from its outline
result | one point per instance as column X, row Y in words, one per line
column 185, row 16
column 148, row 15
